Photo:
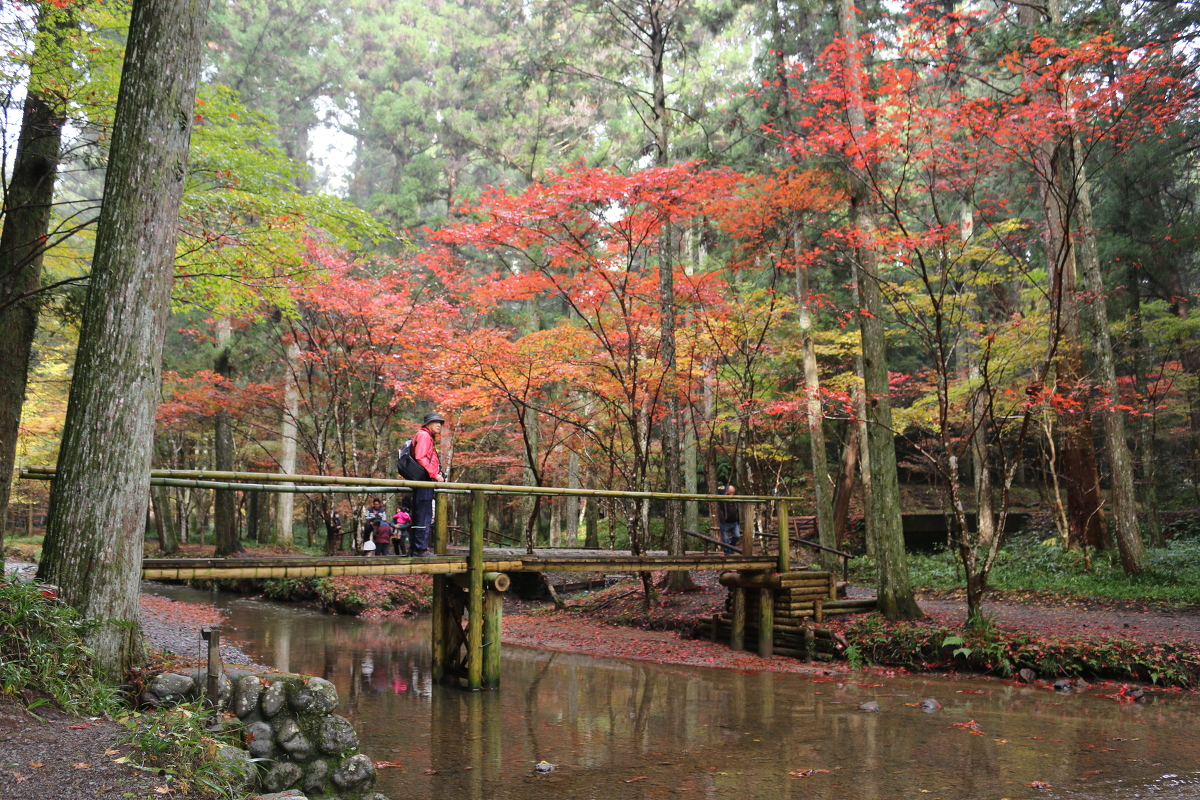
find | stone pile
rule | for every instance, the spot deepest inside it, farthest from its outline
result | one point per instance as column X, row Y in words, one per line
column 300, row 745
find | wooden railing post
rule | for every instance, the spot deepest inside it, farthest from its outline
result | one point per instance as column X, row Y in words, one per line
column 441, row 523
column 475, row 593
column 785, row 538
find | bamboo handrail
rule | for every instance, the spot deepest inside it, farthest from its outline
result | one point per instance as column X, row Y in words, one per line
column 711, row 540
column 237, row 479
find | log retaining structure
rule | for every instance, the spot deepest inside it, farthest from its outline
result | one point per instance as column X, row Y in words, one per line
column 766, row 596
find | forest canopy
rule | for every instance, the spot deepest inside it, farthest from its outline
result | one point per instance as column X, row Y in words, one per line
column 653, row 244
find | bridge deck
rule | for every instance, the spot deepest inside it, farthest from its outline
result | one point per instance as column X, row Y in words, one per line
column 493, row 561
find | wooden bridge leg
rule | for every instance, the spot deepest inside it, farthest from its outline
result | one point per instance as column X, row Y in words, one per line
column 493, row 616
column 475, row 593
column 438, row 640
column 766, row 622
column 737, row 619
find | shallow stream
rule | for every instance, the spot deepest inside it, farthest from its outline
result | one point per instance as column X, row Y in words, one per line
column 627, row 729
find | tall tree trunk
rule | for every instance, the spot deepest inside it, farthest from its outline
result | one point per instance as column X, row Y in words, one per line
column 1082, row 477
column 1124, row 496
column 691, row 454
column 27, row 210
column 591, row 513
column 160, row 497
column 572, row 514
column 672, row 453
column 225, row 527
column 104, row 460
column 896, row 599
column 845, row 487
column 826, row 530
column 285, row 505
column 1142, row 364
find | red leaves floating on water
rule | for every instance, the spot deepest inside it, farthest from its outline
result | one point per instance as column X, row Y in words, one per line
column 1045, row 787
column 969, row 725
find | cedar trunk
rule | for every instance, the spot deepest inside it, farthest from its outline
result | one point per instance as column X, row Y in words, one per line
column 27, row 210
column 896, row 599
column 95, row 557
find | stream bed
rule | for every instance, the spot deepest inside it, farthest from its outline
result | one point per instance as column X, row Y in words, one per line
column 629, row 729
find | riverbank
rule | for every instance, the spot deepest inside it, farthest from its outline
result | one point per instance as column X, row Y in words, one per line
column 1053, row 638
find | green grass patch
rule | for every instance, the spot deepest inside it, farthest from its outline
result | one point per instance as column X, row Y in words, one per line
column 1026, row 565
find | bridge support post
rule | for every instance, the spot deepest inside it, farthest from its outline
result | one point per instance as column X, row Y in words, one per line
column 785, row 538
column 439, row 641
column 475, row 593
column 493, row 616
column 737, row 619
column 766, row 622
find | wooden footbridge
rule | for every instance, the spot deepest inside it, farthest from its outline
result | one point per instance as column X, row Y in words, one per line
column 467, row 589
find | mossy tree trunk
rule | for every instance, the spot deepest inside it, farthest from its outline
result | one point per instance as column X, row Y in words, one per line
column 94, row 540
column 896, row 599
column 27, row 207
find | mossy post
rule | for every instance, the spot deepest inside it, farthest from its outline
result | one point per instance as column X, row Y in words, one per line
column 493, row 623
column 737, row 619
column 475, row 593
column 438, row 641
column 95, row 556
column 766, row 622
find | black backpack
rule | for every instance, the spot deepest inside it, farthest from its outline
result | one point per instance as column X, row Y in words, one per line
column 408, row 467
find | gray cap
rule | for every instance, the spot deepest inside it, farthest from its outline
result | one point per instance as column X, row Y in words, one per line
column 432, row 416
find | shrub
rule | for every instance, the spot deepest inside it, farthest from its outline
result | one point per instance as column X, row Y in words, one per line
column 927, row 646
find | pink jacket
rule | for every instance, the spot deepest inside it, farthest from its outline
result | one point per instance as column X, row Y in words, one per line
column 425, row 453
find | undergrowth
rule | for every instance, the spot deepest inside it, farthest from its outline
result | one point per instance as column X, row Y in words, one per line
column 42, row 653
column 177, row 744
column 928, row 646
column 1025, row 565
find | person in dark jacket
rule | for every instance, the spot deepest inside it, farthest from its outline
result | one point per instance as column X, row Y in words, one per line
column 729, row 518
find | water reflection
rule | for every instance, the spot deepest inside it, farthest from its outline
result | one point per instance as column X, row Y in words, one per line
column 618, row 729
